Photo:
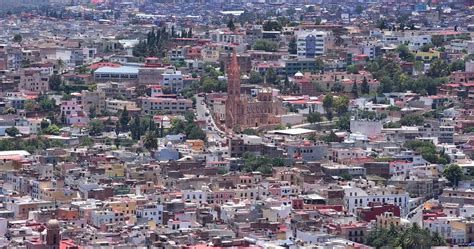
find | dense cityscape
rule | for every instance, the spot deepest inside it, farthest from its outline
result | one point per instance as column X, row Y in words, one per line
column 242, row 124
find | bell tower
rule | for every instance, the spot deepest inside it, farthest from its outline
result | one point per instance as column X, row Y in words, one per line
column 233, row 93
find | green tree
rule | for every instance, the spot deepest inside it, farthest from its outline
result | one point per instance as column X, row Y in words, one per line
column 92, row 111
column 457, row 65
column 150, row 142
column 12, row 131
column 17, row 38
column 290, row 11
column 337, row 87
column 382, row 24
column 404, row 53
column 341, row 104
column 314, row 117
column 136, row 128
column 124, row 119
column 400, row 237
column 292, row 46
column 344, row 122
column 117, row 128
column 52, row 130
column 177, row 126
column 255, row 78
column 331, row 138
column 265, row 45
column 189, row 117
column 352, row 69
column 55, row 82
column 437, row 40
column 29, row 105
column 318, row 21
column 249, row 131
column 196, row 133
column 96, row 127
column 231, row 25
column 271, row 76
column 86, row 141
column 44, row 124
column 47, row 104
column 346, row 176
column 412, row 120
column 438, row 68
column 426, row 47
column 453, row 173
column 329, row 115
column 272, row 26
column 428, row 151
column 438, row 240
column 319, row 64
column 328, row 102
column 212, row 84
column 355, row 90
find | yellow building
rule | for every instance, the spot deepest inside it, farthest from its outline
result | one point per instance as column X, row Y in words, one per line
column 57, row 194
column 211, row 53
column 196, row 145
column 114, row 170
column 124, row 205
column 387, row 219
column 427, row 56
column 467, row 226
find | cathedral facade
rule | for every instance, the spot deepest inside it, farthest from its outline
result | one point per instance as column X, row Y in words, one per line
column 243, row 111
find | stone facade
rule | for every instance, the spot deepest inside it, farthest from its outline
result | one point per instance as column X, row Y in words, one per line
column 244, row 112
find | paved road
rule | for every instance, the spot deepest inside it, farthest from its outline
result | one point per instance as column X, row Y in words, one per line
column 202, row 113
column 416, row 215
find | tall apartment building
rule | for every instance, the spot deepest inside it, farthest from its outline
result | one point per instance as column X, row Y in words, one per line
column 311, row 43
column 172, row 79
column 33, row 80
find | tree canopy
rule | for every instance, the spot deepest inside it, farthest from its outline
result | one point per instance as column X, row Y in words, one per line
column 398, row 237
column 453, row 173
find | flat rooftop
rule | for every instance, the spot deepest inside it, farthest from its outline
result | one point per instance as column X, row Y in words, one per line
column 292, row 132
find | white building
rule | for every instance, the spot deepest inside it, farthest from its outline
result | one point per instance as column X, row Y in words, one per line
column 414, row 41
column 311, row 43
column 102, row 217
column 367, row 127
column 195, row 196
column 173, row 79
column 355, row 197
column 152, row 212
column 277, row 213
column 221, row 36
column 467, row 211
column 443, row 226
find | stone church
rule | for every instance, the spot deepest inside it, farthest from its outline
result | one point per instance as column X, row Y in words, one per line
column 244, row 111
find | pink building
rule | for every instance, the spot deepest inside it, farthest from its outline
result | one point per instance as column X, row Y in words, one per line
column 223, row 196
column 72, row 111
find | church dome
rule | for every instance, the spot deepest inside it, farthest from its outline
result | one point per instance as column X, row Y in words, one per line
column 53, row 224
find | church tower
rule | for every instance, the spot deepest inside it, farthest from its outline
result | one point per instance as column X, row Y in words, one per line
column 233, row 93
column 52, row 234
